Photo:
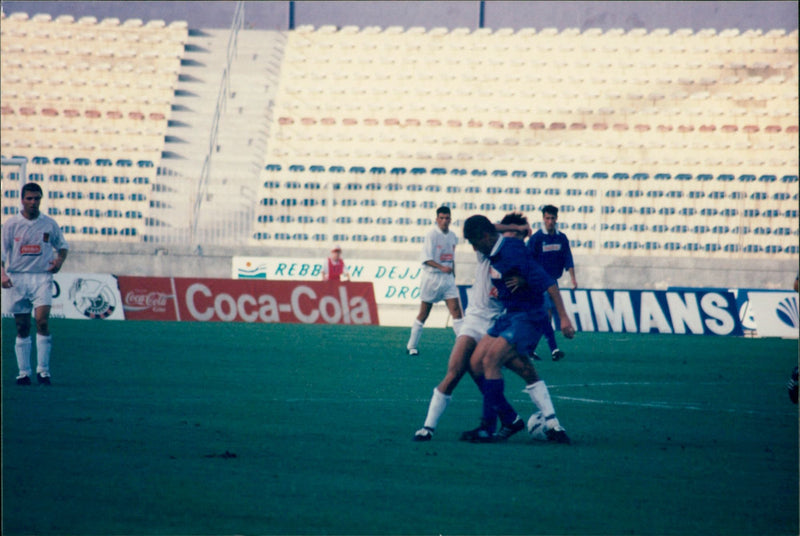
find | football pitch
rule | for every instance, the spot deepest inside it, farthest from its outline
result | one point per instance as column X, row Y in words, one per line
column 214, row 428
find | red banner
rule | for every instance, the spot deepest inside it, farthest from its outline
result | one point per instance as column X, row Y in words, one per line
column 243, row 300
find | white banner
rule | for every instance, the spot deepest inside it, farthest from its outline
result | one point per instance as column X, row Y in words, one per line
column 395, row 282
column 775, row 313
column 82, row 296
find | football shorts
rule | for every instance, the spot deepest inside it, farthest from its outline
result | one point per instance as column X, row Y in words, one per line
column 437, row 286
column 520, row 329
column 29, row 291
column 476, row 325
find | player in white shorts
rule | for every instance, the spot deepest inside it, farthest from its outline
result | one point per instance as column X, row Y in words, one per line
column 438, row 281
column 33, row 249
column 482, row 310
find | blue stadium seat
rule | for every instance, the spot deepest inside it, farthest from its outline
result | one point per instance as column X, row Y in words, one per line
column 652, row 245
column 631, row 244
column 679, row 229
column 709, row 212
column 711, row 248
column 399, row 239
column 266, row 218
column 726, row 177
column 773, row 248
column 692, row 246
column 661, row 228
column 662, row 176
column 607, row 209
column 731, row 248
column 378, row 238
column 262, row 236
column 753, row 248
column 672, row 246
column 792, row 250
column 586, row 209
column 720, row 229
column 320, row 237
column 627, row 209
column 611, row 244
column 741, row 230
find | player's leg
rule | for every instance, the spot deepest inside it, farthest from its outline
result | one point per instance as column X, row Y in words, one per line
column 22, row 347
column 416, row 327
column 43, row 343
column 457, row 366
column 454, row 307
column 537, row 390
column 549, row 332
column 20, row 306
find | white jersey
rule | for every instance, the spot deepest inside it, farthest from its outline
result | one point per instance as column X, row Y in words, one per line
column 29, row 246
column 482, row 296
column 439, row 247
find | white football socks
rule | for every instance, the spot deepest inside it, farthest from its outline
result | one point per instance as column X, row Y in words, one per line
column 540, row 396
column 439, row 402
column 43, row 345
column 416, row 333
column 23, row 350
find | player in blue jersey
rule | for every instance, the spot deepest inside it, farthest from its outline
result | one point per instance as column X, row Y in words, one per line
column 520, row 283
column 550, row 248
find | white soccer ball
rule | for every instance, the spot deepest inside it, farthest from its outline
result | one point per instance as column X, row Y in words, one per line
column 537, row 427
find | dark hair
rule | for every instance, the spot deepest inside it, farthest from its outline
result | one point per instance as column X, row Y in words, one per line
column 514, row 218
column 31, row 187
column 476, row 225
column 443, row 210
column 550, row 209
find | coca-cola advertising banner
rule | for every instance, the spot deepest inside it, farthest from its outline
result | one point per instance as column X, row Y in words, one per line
column 226, row 300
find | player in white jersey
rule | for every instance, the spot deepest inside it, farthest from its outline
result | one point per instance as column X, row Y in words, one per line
column 438, row 277
column 33, row 249
column 482, row 310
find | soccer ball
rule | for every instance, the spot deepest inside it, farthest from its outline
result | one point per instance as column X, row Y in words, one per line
column 537, row 427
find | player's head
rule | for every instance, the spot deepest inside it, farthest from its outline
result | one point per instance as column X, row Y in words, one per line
column 480, row 233
column 443, row 218
column 31, row 198
column 336, row 252
column 549, row 217
column 516, row 218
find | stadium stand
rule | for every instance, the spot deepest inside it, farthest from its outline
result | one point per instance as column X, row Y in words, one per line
column 651, row 143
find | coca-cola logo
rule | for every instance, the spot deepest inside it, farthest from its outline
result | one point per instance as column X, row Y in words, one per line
column 142, row 300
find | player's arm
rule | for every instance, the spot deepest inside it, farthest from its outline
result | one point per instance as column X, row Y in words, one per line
column 4, row 279
column 569, row 264
column 566, row 325
column 522, row 230
column 58, row 260
column 432, row 263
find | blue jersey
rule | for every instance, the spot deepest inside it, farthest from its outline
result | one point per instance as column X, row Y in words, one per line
column 551, row 251
column 510, row 257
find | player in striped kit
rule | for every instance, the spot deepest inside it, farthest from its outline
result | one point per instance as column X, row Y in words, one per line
column 438, row 277
column 33, row 250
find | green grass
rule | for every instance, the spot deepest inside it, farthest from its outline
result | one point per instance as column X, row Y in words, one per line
column 671, row 435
